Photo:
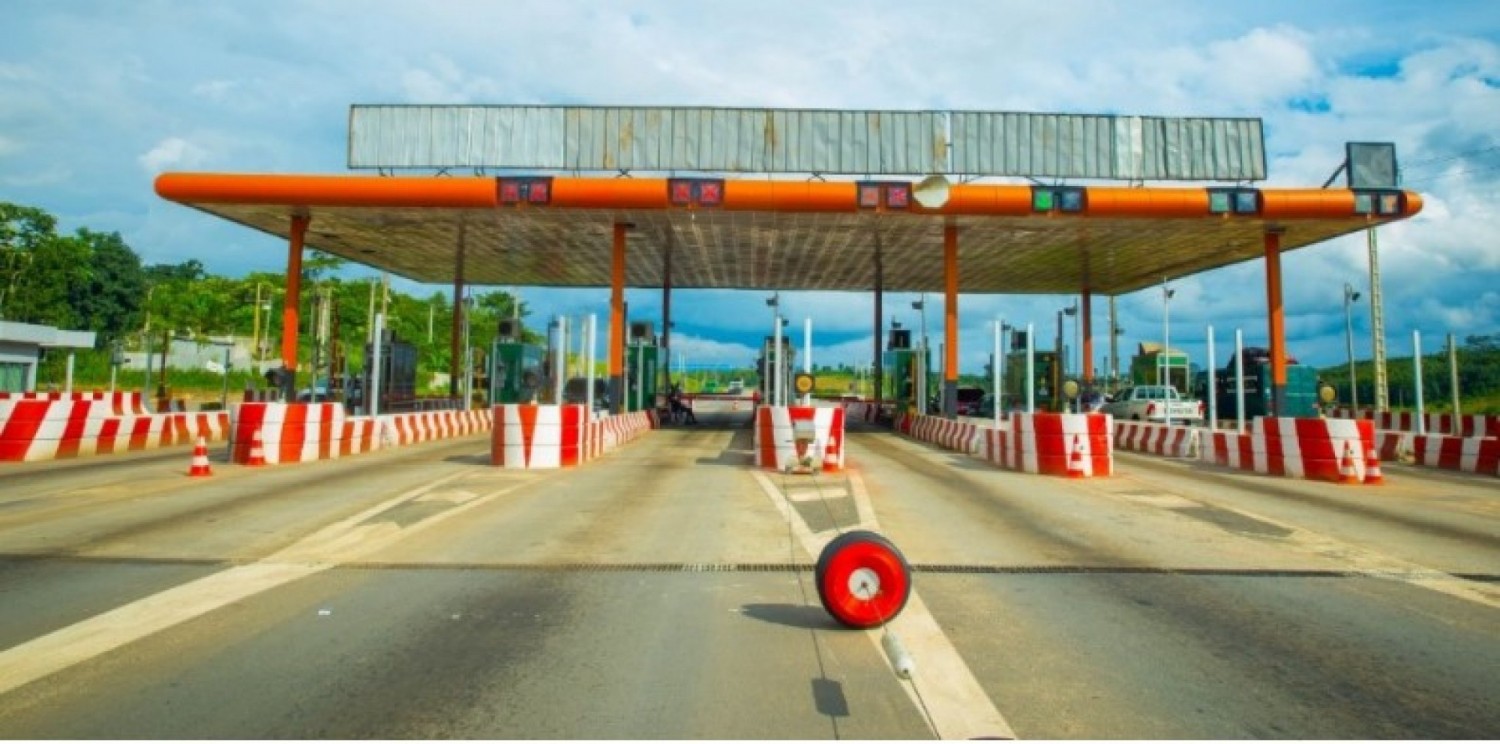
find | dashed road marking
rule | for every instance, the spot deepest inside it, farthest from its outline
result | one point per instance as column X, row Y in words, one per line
column 338, row 543
column 942, row 685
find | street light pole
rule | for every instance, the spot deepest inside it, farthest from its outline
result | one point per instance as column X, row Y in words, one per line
column 1166, row 343
column 1350, row 297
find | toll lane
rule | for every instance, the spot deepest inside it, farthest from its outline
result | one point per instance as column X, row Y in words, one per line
column 1156, row 605
column 503, row 634
column 663, row 591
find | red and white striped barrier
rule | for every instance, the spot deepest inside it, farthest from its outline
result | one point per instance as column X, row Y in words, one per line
column 56, row 426
column 866, row 411
column 958, row 436
column 1433, row 423
column 1335, row 450
column 289, row 432
column 1066, row 444
column 530, row 436
column 1466, row 454
column 120, row 403
column 1156, row 439
column 776, row 443
column 1393, row 446
column 617, row 430
column 361, row 434
column 1316, row 449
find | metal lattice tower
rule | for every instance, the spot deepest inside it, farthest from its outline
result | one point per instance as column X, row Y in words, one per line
column 1377, row 325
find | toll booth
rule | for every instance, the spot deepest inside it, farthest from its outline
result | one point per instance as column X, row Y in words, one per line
column 767, row 363
column 517, row 372
column 1152, row 363
column 900, row 366
column 1301, row 387
column 398, row 373
column 642, row 368
column 1044, row 379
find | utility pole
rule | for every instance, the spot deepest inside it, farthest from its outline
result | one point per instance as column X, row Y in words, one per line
column 1377, row 324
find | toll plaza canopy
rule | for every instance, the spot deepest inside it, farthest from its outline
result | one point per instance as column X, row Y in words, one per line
column 778, row 231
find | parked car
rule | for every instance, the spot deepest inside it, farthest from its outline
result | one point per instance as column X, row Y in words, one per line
column 970, row 400
column 1153, row 403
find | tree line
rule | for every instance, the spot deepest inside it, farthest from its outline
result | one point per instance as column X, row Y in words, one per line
column 95, row 281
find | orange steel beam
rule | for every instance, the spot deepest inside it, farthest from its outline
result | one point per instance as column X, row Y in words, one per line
column 617, row 321
column 290, row 317
column 739, row 195
column 327, row 191
column 950, row 320
column 1088, row 336
column 1277, row 331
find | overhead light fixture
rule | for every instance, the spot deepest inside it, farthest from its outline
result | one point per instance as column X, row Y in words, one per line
column 1234, row 201
column 887, row 194
column 695, row 192
column 1384, row 203
column 1070, row 199
column 525, row 190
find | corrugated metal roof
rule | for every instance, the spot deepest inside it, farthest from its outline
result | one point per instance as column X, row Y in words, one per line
column 578, row 138
column 587, row 138
column 1129, row 148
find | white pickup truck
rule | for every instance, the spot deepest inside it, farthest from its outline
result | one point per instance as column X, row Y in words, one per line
column 1152, row 403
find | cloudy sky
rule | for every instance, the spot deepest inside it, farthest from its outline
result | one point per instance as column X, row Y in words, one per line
column 97, row 98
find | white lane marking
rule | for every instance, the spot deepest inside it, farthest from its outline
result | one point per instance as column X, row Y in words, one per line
column 337, row 543
column 1362, row 561
column 955, row 702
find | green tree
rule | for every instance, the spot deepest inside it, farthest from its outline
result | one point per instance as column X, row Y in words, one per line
column 22, row 229
column 110, row 303
column 171, row 306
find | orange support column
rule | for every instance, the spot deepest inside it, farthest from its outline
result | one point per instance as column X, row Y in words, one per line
column 1277, row 335
column 290, row 315
column 950, row 321
column 617, row 322
column 1088, row 337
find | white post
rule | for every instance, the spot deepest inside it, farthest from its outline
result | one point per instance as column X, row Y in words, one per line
column 372, row 395
column 640, row 382
column 560, row 363
column 1213, row 386
column 1166, row 344
column 1239, row 380
column 922, row 379
column 1030, row 370
column 807, row 356
column 1416, row 359
column 774, row 359
column 1453, row 381
column 995, row 372
column 68, row 381
column 588, row 365
column 224, row 397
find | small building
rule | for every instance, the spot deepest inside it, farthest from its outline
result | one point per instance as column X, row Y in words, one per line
column 21, row 345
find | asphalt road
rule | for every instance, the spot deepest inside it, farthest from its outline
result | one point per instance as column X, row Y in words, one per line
column 665, row 592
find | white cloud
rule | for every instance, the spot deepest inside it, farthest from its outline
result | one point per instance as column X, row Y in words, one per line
column 107, row 93
column 172, row 153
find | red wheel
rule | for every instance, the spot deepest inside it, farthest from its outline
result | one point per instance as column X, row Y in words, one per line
column 863, row 580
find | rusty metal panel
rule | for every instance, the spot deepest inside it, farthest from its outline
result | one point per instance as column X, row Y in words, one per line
column 588, row 138
column 1108, row 147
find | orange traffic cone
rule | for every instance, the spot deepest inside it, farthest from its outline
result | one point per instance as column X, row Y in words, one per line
column 1347, row 472
column 1075, row 460
column 1373, row 475
column 831, row 454
column 200, row 459
column 257, row 451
